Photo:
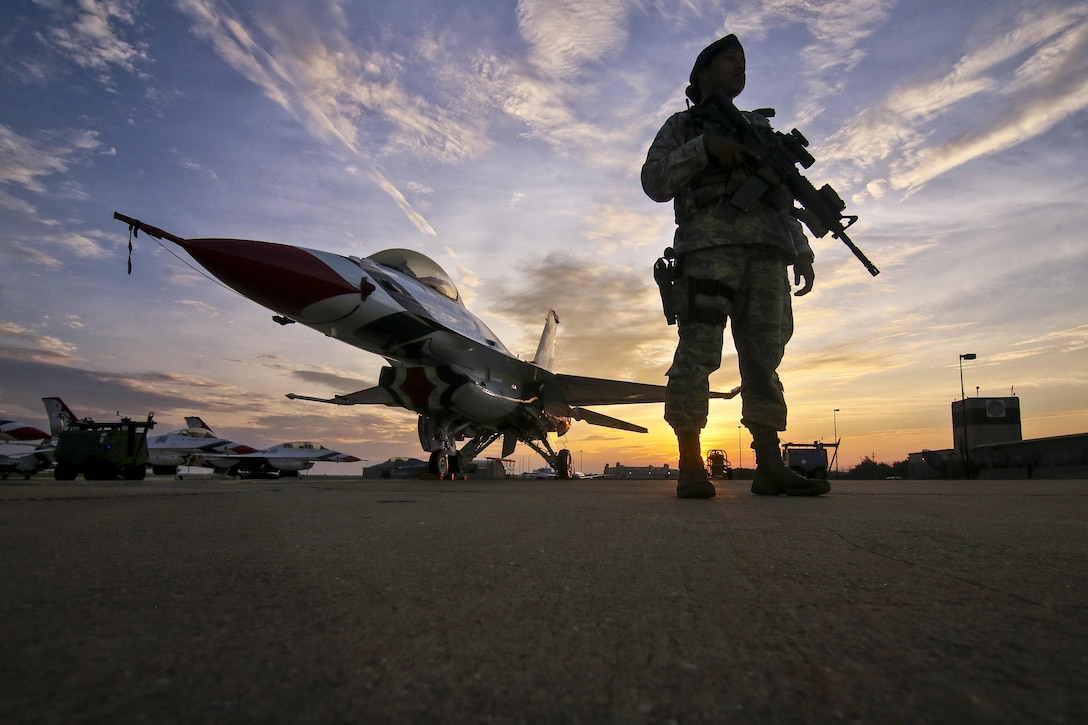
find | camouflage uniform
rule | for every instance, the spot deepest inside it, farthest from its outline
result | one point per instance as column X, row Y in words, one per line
column 746, row 253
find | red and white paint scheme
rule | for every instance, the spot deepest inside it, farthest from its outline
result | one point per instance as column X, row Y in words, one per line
column 14, row 431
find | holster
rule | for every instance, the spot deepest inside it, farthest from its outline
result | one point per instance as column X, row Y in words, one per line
column 665, row 276
column 678, row 293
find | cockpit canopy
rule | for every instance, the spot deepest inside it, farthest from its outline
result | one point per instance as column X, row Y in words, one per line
column 419, row 266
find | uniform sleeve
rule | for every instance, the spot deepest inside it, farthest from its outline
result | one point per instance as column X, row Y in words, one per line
column 800, row 241
column 672, row 161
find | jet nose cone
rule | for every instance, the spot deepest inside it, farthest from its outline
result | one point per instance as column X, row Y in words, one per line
column 281, row 277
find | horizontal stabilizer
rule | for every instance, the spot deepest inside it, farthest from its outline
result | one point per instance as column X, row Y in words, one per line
column 594, row 418
column 369, row 396
column 579, row 390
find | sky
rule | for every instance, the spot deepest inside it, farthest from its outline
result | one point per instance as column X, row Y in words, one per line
column 504, row 140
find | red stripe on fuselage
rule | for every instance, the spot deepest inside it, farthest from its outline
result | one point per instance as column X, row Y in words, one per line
column 418, row 387
column 281, row 277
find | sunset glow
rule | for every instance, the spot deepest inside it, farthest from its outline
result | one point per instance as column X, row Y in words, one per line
column 504, row 141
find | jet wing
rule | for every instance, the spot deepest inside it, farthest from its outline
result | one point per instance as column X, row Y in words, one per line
column 579, row 390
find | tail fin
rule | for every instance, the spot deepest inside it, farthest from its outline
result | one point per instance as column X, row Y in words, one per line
column 193, row 421
column 546, row 349
column 60, row 415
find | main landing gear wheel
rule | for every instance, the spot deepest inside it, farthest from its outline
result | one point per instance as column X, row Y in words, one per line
column 439, row 464
column 564, row 464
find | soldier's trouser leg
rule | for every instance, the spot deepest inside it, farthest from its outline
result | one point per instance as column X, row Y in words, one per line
column 687, row 394
column 762, row 320
column 699, row 351
column 687, row 402
column 698, row 354
column 762, row 325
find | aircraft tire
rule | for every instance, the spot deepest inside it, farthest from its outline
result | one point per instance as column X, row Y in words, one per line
column 439, row 464
column 564, row 467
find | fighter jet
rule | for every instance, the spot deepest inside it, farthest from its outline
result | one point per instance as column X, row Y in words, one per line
column 284, row 460
column 18, row 456
column 444, row 362
column 189, row 446
column 14, row 431
column 27, row 463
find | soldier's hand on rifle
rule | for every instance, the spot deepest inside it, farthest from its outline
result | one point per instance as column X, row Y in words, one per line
column 802, row 270
column 726, row 151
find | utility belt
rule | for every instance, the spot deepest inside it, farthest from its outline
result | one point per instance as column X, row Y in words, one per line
column 680, row 294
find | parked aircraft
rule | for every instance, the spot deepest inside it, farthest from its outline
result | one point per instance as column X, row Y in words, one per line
column 18, row 455
column 445, row 364
column 197, row 445
column 190, row 446
column 284, row 460
column 27, row 463
column 13, row 430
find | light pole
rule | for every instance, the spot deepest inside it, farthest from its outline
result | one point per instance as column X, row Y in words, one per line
column 835, row 425
column 963, row 414
column 965, row 356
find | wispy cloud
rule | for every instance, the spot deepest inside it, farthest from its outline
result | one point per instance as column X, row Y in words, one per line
column 567, row 35
column 25, row 164
column 1050, row 49
column 89, row 35
column 303, row 62
column 838, row 29
column 15, row 337
column 25, row 161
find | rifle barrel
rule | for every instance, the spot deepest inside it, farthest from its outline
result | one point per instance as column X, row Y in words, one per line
column 857, row 252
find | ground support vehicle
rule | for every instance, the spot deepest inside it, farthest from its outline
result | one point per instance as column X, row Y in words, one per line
column 103, row 451
column 717, row 464
column 809, row 459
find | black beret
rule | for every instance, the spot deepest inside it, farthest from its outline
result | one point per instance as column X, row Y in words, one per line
column 708, row 54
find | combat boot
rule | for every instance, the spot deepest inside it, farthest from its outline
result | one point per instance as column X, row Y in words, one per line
column 773, row 477
column 693, row 481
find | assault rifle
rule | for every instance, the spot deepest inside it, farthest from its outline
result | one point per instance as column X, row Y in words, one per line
column 821, row 209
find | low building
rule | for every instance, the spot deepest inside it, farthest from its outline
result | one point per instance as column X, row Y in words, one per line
column 1054, row 457
column 639, row 472
column 988, row 444
column 927, row 465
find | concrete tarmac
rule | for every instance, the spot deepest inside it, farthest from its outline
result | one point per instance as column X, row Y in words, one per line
column 542, row 602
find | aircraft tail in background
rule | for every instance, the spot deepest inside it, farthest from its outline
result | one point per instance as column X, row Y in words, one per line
column 194, row 421
column 60, row 415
